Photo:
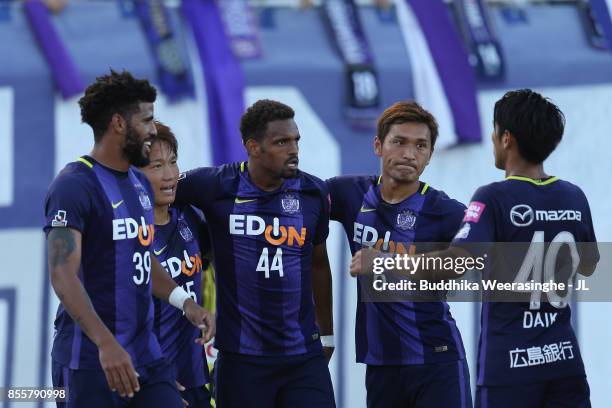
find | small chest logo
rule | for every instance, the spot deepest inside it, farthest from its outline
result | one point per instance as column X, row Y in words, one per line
column 406, row 220
column 185, row 233
column 143, row 197
column 290, row 204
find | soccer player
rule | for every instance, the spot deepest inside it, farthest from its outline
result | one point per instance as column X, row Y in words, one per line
column 180, row 243
column 521, row 364
column 268, row 222
column 528, row 355
column 413, row 350
column 99, row 226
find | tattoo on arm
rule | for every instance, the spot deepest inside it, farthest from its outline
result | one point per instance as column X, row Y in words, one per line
column 61, row 244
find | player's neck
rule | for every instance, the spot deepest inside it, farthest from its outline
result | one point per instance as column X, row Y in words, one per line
column 161, row 214
column 523, row 168
column 393, row 192
column 110, row 154
column 262, row 178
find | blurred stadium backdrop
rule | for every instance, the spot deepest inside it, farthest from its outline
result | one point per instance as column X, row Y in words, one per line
column 211, row 59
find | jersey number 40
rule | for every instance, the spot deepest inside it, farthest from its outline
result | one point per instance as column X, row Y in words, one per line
column 540, row 263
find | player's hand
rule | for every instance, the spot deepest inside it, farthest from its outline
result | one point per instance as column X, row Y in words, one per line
column 118, row 368
column 181, row 388
column 328, row 352
column 356, row 268
column 199, row 317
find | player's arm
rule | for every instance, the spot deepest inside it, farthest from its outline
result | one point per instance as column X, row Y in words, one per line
column 64, row 259
column 323, row 296
column 587, row 269
column 164, row 288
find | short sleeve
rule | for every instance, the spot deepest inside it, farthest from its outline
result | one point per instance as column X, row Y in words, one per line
column 67, row 204
column 478, row 223
column 589, row 252
column 453, row 220
column 335, row 198
column 322, row 229
column 194, row 186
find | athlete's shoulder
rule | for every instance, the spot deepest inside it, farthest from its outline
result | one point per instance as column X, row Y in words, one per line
column 492, row 192
column 139, row 174
column 187, row 212
column 75, row 175
column 345, row 184
column 570, row 188
column 310, row 182
column 438, row 201
column 225, row 170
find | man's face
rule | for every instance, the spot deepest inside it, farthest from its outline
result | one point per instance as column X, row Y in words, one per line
column 162, row 172
column 498, row 151
column 279, row 148
column 405, row 152
column 139, row 129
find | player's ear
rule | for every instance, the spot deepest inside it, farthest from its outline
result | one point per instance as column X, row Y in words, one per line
column 507, row 139
column 252, row 147
column 118, row 123
column 377, row 146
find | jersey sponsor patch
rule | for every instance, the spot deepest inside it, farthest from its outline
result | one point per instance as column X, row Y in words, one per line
column 474, row 211
column 59, row 220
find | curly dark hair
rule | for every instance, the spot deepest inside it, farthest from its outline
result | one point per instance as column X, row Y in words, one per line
column 536, row 123
column 114, row 93
column 254, row 122
column 404, row 112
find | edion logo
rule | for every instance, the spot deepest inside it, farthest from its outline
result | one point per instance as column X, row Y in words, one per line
column 274, row 234
column 128, row 228
column 370, row 237
column 189, row 265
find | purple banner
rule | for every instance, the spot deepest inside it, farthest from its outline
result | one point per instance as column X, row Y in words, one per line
column 482, row 43
column 342, row 16
column 453, row 68
column 239, row 23
column 598, row 20
column 223, row 77
column 173, row 74
column 63, row 69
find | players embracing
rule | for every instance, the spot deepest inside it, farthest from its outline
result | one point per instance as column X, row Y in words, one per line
column 413, row 350
column 268, row 223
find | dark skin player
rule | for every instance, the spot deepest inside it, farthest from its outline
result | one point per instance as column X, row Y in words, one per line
column 272, row 160
column 123, row 143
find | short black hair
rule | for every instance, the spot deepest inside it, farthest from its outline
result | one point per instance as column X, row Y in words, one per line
column 254, row 122
column 405, row 112
column 536, row 123
column 110, row 94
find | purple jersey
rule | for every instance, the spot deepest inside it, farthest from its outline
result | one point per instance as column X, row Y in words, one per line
column 398, row 333
column 262, row 244
column 519, row 344
column 113, row 211
column 177, row 246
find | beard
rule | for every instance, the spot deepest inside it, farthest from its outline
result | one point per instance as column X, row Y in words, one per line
column 290, row 173
column 134, row 149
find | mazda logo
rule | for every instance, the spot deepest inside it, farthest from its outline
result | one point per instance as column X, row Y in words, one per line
column 521, row 215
